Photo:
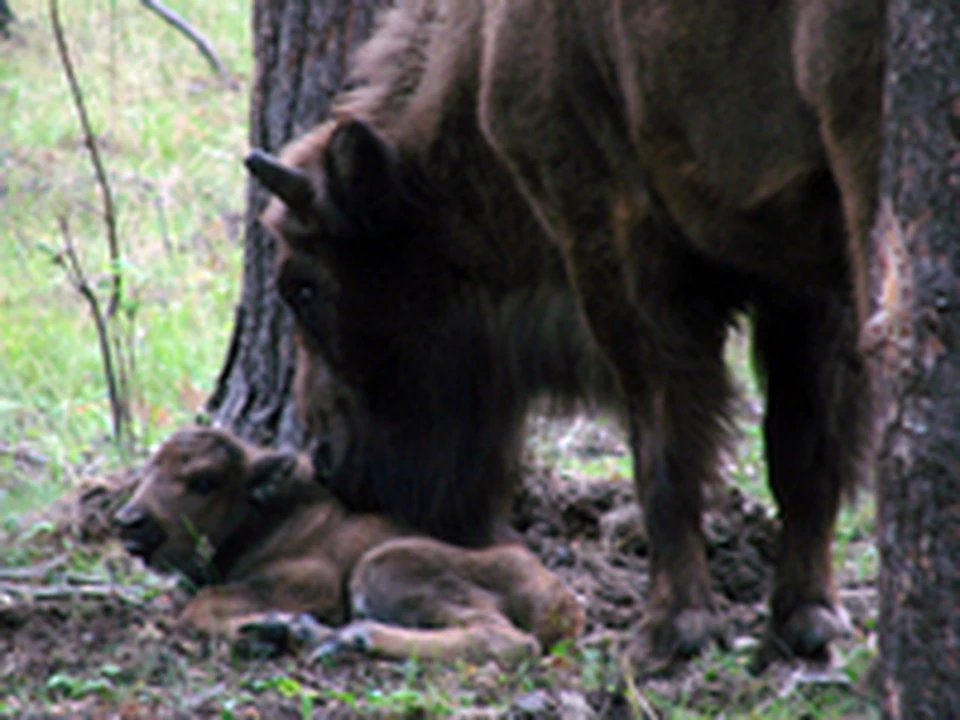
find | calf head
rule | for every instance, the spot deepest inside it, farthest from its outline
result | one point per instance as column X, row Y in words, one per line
column 197, row 491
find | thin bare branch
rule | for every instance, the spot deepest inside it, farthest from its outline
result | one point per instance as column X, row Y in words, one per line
column 90, row 140
column 196, row 37
column 78, row 278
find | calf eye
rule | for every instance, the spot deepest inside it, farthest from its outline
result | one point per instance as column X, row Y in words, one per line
column 203, row 483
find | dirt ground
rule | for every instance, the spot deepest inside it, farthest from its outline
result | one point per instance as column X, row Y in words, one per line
column 100, row 642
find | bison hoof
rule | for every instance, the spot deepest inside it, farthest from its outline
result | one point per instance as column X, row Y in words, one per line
column 663, row 642
column 355, row 637
column 278, row 633
column 806, row 634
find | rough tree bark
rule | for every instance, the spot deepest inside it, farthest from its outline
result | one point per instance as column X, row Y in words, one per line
column 917, row 274
column 301, row 49
column 6, row 18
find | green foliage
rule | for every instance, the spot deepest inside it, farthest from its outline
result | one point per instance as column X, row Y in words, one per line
column 78, row 687
column 171, row 137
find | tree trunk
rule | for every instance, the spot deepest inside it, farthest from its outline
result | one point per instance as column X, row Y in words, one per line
column 6, row 17
column 917, row 273
column 301, row 49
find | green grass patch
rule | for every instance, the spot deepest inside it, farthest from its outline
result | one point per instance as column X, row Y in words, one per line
column 172, row 137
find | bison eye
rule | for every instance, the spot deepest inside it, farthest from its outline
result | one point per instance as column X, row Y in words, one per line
column 203, row 483
column 304, row 295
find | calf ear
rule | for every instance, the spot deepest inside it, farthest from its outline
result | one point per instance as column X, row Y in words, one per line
column 361, row 171
column 269, row 475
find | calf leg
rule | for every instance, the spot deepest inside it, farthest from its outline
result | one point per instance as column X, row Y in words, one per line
column 221, row 609
column 421, row 597
column 257, row 604
column 815, row 430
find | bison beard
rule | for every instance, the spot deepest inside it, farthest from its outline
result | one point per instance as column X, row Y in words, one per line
column 574, row 200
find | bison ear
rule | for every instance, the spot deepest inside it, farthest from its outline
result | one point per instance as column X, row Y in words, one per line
column 289, row 184
column 360, row 169
column 270, row 475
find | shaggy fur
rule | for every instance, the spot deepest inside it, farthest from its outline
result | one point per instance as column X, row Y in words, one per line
column 574, row 199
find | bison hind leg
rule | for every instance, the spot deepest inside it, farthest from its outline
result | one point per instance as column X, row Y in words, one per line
column 664, row 640
column 806, row 634
column 816, row 431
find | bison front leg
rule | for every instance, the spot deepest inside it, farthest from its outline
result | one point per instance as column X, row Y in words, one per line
column 815, row 430
column 558, row 127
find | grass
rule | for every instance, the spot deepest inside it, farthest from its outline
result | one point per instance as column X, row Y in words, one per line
column 172, row 138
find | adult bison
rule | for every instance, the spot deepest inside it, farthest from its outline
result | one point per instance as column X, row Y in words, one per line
column 519, row 197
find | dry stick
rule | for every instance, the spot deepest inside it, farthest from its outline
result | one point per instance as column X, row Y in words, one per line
column 78, row 279
column 35, row 572
column 203, row 45
column 23, row 455
column 67, row 592
column 90, row 141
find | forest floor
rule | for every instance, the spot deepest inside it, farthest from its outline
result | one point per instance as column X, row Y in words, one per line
column 85, row 631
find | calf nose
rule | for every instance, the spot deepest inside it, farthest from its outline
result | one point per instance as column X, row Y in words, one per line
column 130, row 517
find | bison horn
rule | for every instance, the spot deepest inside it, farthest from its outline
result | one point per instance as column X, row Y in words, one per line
column 289, row 184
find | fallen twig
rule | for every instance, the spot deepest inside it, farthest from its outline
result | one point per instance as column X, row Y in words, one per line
column 203, row 45
column 35, row 572
column 25, row 455
column 30, row 593
column 639, row 705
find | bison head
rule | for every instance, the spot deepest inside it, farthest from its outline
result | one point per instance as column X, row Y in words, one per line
column 394, row 376
column 337, row 214
column 197, row 491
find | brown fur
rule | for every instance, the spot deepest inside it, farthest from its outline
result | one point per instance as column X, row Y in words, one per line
column 257, row 536
column 574, row 199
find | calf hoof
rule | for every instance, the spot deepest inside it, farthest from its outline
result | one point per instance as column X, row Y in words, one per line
column 806, row 634
column 663, row 642
column 355, row 637
column 278, row 633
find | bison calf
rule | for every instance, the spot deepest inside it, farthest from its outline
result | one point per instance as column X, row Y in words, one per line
column 263, row 541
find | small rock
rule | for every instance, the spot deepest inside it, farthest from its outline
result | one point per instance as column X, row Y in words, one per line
column 574, row 706
column 622, row 530
column 744, row 644
column 533, row 704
